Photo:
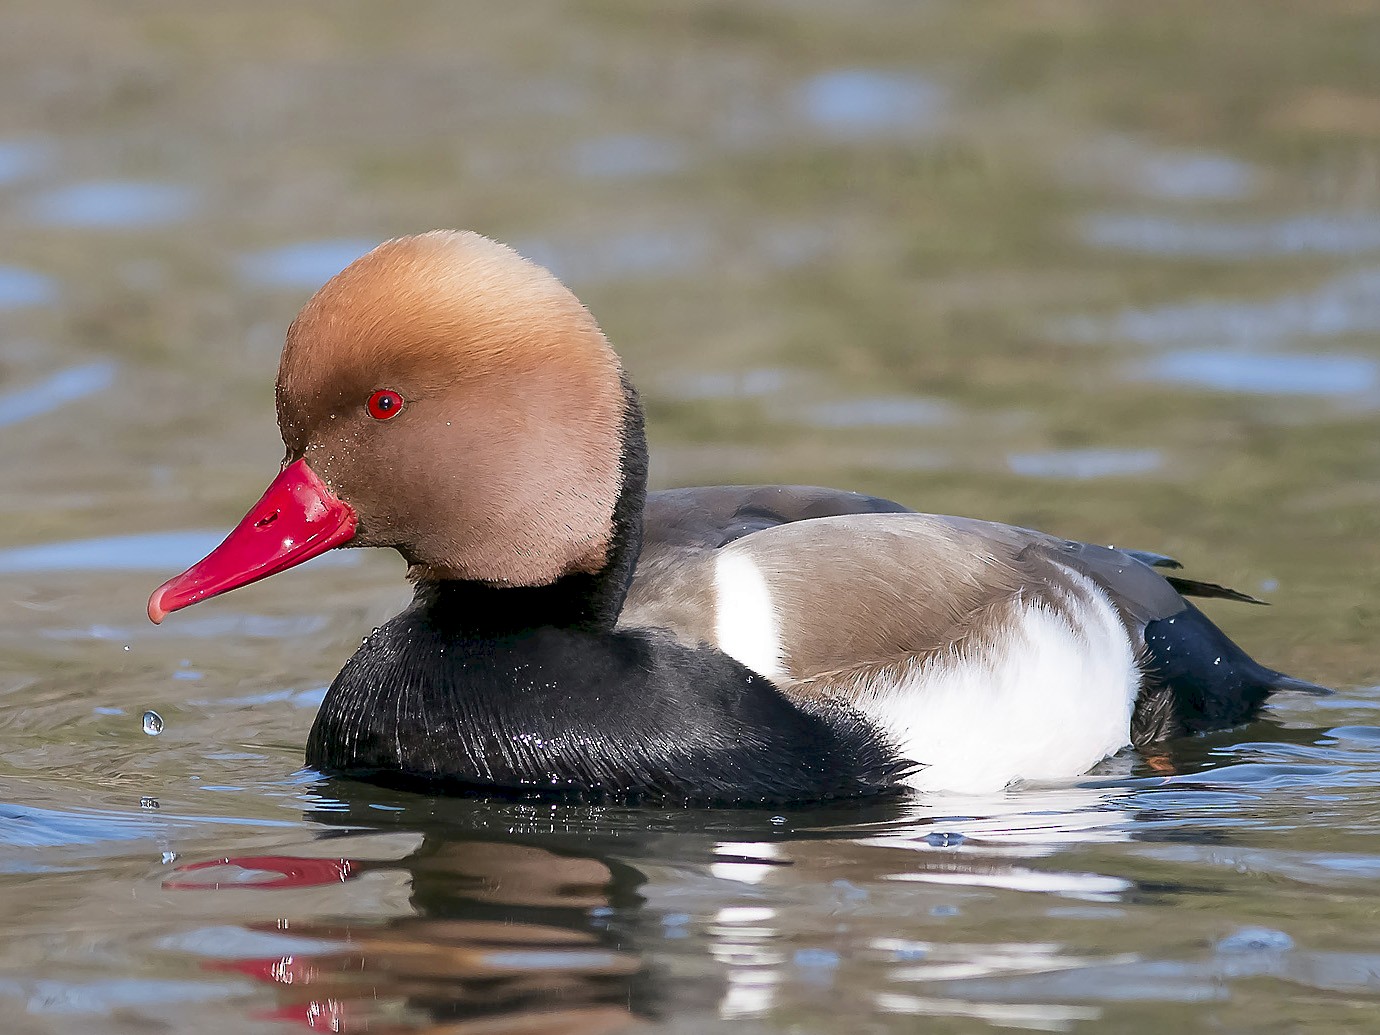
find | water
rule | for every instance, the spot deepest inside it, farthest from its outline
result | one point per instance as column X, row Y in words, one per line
column 1106, row 270
column 112, row 205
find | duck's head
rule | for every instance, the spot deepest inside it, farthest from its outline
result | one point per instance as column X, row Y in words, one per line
column 445, row 397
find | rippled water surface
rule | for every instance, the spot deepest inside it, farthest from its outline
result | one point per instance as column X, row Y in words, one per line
column 1111, row 270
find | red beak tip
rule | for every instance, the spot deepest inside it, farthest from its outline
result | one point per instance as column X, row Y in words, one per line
column 306, row 518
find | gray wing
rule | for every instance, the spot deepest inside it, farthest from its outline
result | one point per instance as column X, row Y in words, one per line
column 859, row 585
column 683, row 526
column 711, row 516
column 860, row 579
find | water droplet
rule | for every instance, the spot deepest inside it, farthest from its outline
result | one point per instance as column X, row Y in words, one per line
column 1255, row 939
column 778, row 821
column 148, row 803
column 944, row 839
column 125, row 647
column 153, row 723
column 169, row 857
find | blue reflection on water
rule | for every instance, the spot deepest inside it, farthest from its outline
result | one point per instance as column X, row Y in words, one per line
column 626, row 155
column 862, row 102
column 1267, row 373
column 153, row 551
column 21, row 287
column 112, row 204
column 1085, row 464
column 641, row 253
column 743, row 384
column 1346, row 233
column 307, row 264
column 1196, row 176
column 66, row 386
column 110, row 996
column 1348, row 304
column 21, row 158
column 881, row 412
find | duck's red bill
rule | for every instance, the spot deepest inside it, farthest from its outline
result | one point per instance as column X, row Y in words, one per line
column 293, row 871
column 296, row 519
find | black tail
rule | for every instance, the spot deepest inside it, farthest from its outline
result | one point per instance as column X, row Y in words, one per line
column 1197, row 588
column 1197, row 679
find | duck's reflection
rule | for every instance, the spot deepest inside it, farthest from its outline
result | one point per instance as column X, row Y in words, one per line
column 504, row 937
column 412, row 914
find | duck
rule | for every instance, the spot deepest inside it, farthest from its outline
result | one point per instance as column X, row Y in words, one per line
column 573, row 636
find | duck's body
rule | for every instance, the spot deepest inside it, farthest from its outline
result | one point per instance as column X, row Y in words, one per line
column 760, row 644
column 988, row 652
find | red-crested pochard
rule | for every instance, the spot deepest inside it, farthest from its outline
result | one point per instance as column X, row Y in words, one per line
column 573, row 636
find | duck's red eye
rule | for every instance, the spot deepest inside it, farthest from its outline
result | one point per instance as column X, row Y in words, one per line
column 384, row 403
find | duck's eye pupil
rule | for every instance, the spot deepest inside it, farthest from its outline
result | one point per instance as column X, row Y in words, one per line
column 384, row 403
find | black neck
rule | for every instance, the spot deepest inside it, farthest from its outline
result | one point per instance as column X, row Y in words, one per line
column 589, row 602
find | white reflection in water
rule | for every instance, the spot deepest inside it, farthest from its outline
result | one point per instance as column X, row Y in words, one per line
column 981, row 831
column 1092, row 886
column 742, row 867
column 1030, row 1016
column 229, row 941
column 740, row 936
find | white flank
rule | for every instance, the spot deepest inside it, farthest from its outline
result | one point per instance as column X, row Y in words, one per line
column 746, row 625
column 1047, row 696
